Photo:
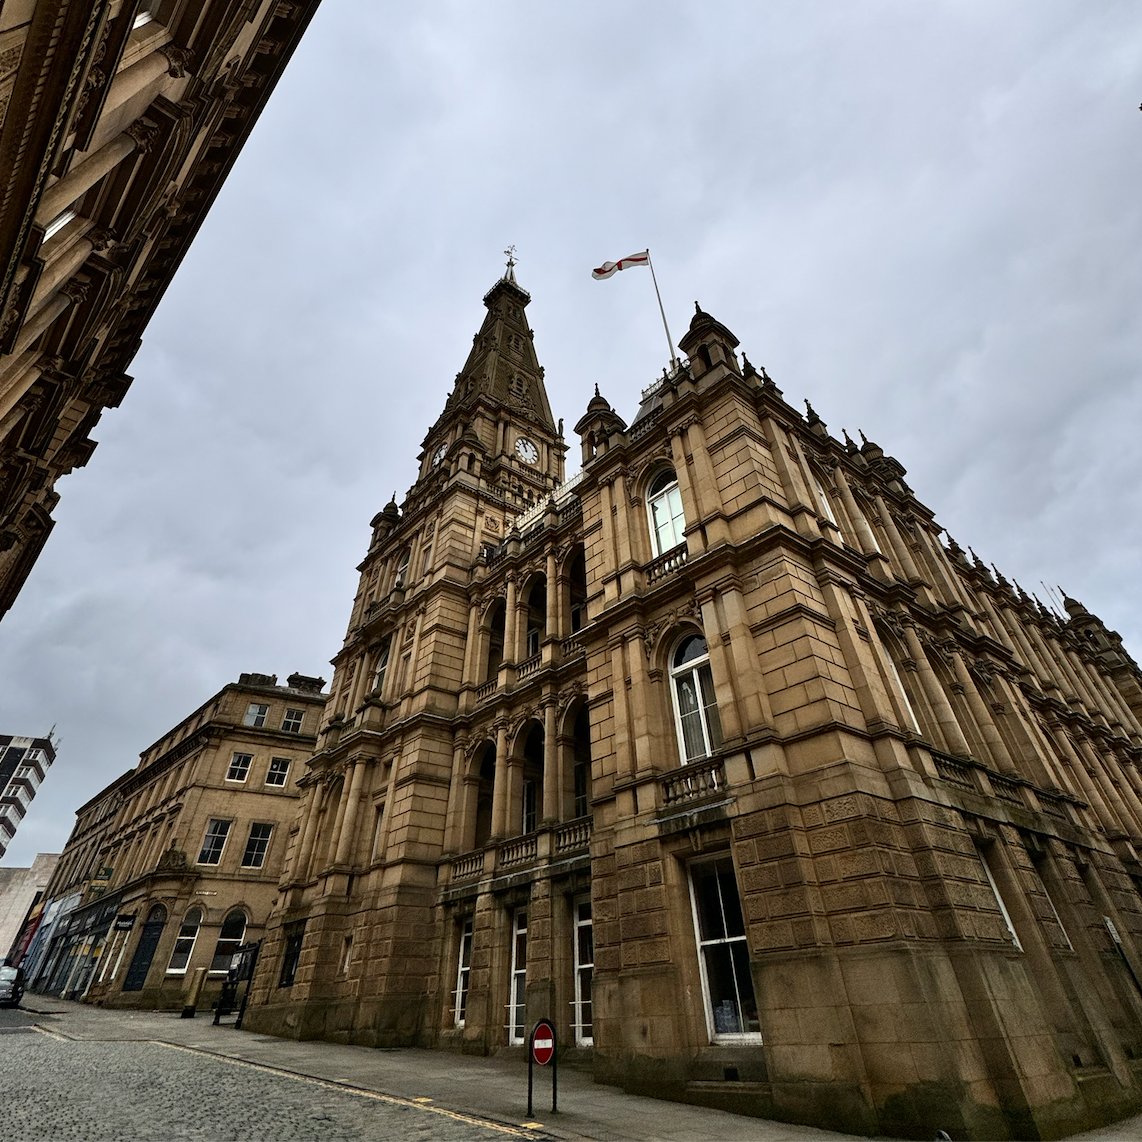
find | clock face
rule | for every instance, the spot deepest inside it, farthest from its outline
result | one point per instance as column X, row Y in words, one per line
column 526, row 450
column 438, row 455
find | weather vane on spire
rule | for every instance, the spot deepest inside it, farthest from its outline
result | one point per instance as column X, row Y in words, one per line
column 512, row 259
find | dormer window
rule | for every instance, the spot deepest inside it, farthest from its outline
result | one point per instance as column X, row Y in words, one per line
column 664, row 505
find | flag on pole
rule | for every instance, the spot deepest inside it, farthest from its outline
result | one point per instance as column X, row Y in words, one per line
column 642, row 258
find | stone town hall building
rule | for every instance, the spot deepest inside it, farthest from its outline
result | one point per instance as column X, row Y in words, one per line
column 716, row 755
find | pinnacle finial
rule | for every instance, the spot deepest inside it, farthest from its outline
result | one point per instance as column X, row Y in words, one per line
column 597, row 389
column 513, row 261
column 697, row 308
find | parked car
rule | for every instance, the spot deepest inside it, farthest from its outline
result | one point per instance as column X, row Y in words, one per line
column 11, row 986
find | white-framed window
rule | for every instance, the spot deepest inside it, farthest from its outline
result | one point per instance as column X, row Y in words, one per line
column 826, row 507
column 291, row 723
column 695, row 706
column 402, row 567
column 256, row 715
column 664, row 508
column 256, row 845
column 230, row 937
column 58, row 223
column 278, row 772
column 723, row 955
column 239, row 767
column 463, row 972
column 381, row 666
column 983, row 859
column 184, row 942
column 517, row 988
column 584, row 973
column 214, row 841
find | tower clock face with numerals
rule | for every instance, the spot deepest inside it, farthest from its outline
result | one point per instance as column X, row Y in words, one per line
column 439, row 454
column 526, row 450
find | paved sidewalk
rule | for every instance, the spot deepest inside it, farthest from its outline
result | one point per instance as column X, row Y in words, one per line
column 490, row 1088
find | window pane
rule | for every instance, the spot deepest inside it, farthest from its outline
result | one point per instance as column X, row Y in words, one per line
column 690, row 649
column 278, row 772
column 708, row 902
column 710, row 706
column 690, row 717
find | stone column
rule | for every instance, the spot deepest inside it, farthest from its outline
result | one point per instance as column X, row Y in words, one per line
column 500, row 791
column 390, row 804
column 471, row 647
column 625, row 759
column 358, row 766
column 1112, row 795
column 622, row 533
column 896, row 541
column 455, row 820
column 511, row 622
column 857, row 517
column 792, row 483
column 691, row 507
column 982, row 715
column 721, row 671
column 84, row 175
column 304, row 854
column 706, row 484
column 1077, row 768
column 554, row 627
column 131, row 80
column 552, row 762
column 934, row 692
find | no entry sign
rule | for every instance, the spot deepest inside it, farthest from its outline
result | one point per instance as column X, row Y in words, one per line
column 541, row 1052
column 543, row 1043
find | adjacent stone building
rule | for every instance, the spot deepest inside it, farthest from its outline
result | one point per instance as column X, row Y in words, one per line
column 119, row 122
column 177, row 862
column 717, row 756
column 21, row 904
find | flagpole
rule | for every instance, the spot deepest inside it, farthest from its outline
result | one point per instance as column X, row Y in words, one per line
column 669, row 339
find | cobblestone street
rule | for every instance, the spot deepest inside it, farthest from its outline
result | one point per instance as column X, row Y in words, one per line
column 75, row 1073
column 61, row 1088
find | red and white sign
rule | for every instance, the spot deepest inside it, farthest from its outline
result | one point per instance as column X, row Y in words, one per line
column 543, row 1043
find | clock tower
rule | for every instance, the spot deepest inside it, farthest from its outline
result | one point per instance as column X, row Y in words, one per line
column 496, row 427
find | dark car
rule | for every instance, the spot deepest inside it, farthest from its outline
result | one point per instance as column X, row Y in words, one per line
column 11, row 986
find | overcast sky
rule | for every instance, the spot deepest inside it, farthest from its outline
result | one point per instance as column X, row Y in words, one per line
column 925, row 217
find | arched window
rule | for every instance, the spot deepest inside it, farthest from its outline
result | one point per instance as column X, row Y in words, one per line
column 695, row 708
column 667, row 521
column 230, row 937
column 402, row 567
column 184, row 942
column 497, row 627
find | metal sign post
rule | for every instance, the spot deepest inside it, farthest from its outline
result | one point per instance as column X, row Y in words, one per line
column 541, row 1052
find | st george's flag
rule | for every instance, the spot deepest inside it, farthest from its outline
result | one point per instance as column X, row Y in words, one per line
column 607, row 268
